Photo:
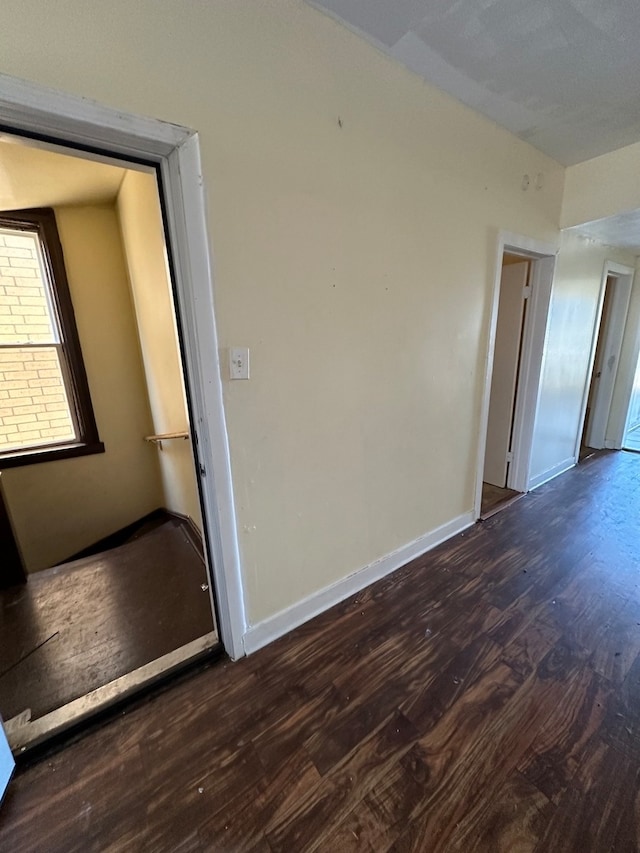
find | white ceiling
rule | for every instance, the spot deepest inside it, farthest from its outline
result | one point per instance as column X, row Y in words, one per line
column 562, row 74
column 34, row 177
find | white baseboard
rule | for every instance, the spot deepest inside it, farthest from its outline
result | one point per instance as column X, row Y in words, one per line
column 281, row 623
column 558, row 469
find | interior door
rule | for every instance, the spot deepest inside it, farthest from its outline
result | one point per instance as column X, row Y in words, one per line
column 6, row 761
column 609, row 344
column 504, row 380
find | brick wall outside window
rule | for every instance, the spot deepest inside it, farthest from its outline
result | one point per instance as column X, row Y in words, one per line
column 33, row 399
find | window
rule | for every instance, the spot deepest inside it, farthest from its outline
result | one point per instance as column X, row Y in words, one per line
column 45, row 407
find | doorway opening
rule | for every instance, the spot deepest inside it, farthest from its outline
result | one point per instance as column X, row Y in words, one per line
column 520, row 307
column 115, row 588
column 597, row 428
column 631, row 439
column 590, row 428
column 515, row 289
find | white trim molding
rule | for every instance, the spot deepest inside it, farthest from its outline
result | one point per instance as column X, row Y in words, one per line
column 281, row 623
column 58, row 120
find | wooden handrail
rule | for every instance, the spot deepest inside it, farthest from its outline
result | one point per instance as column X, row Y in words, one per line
column 167, row 436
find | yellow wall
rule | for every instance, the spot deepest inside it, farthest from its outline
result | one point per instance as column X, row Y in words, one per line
column 603, row 186
column 61, row 507
column 355, row 261
column 143, row 241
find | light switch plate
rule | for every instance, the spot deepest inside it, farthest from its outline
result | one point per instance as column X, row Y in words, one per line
column 239, row 363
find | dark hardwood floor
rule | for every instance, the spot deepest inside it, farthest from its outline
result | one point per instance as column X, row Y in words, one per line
column 485, row 697
column 76, row 627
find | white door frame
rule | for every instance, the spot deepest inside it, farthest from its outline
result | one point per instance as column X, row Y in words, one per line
column 613, row 345
column 68, row 120
column 543, row 261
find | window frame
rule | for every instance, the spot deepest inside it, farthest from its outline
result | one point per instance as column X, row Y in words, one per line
column 41, row 221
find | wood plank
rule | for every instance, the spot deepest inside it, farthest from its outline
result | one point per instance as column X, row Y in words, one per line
column 472, row 751
column 311, row 816
column 511, row 822
column 555, row 754
column 588, row 816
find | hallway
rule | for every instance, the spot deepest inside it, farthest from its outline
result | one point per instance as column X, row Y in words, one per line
column 486, row 697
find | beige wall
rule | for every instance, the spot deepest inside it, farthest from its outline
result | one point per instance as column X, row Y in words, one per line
column 355, row 261
column 61, row 507
column 603, row 186
column 565, row 374
column 143, row 240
